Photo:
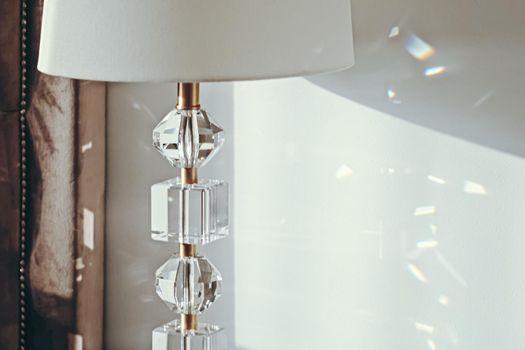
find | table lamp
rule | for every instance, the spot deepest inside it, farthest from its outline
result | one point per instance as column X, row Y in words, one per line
column 188, row 42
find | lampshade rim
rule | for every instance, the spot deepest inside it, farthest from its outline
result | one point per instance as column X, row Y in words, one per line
column 197, row 79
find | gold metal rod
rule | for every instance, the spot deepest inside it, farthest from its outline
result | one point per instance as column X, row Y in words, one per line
column 187, row 250
column 188, row 96
column 188, row 176
column 188, row 322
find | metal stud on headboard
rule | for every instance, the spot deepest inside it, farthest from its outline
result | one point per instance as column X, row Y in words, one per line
column 23, row 176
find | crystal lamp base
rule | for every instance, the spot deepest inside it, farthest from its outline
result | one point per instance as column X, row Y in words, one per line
column 170, row 336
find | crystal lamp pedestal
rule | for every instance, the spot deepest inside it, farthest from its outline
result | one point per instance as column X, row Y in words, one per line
column 190, row 212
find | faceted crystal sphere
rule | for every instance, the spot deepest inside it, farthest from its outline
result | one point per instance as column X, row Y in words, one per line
column 171, row 336
column 188, row 138
column 188, row 285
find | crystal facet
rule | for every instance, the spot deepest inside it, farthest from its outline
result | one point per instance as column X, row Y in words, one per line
column 172, row 337
column 191, row 214
column 188, row 285
column 188, row 138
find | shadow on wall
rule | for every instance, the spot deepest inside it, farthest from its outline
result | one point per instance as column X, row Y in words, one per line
column 454, row 67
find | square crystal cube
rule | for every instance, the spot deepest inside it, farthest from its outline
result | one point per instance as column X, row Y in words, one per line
column 171, row 337
column 191, row 214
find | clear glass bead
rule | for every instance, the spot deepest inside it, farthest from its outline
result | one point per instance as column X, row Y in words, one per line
column 188, row 285
column 171, row 337
column 188, row 138
column 191, row 214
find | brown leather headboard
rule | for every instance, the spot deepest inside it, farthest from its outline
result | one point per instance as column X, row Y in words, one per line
column 52, row 169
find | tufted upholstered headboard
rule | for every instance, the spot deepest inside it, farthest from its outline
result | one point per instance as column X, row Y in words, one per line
column 52, row 181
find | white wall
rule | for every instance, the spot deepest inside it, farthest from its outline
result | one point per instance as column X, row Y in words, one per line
column 356, row 230
column 376, row 209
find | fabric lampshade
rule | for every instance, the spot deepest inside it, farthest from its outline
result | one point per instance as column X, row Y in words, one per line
column 194, row 40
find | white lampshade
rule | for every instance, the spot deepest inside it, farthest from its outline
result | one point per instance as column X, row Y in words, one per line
column 194, row 40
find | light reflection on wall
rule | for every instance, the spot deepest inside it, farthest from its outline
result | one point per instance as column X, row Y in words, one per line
column 431, row 71
column 369, row 233
column 417, row 47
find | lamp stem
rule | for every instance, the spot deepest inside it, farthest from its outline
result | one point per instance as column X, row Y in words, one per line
column 188, row 98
